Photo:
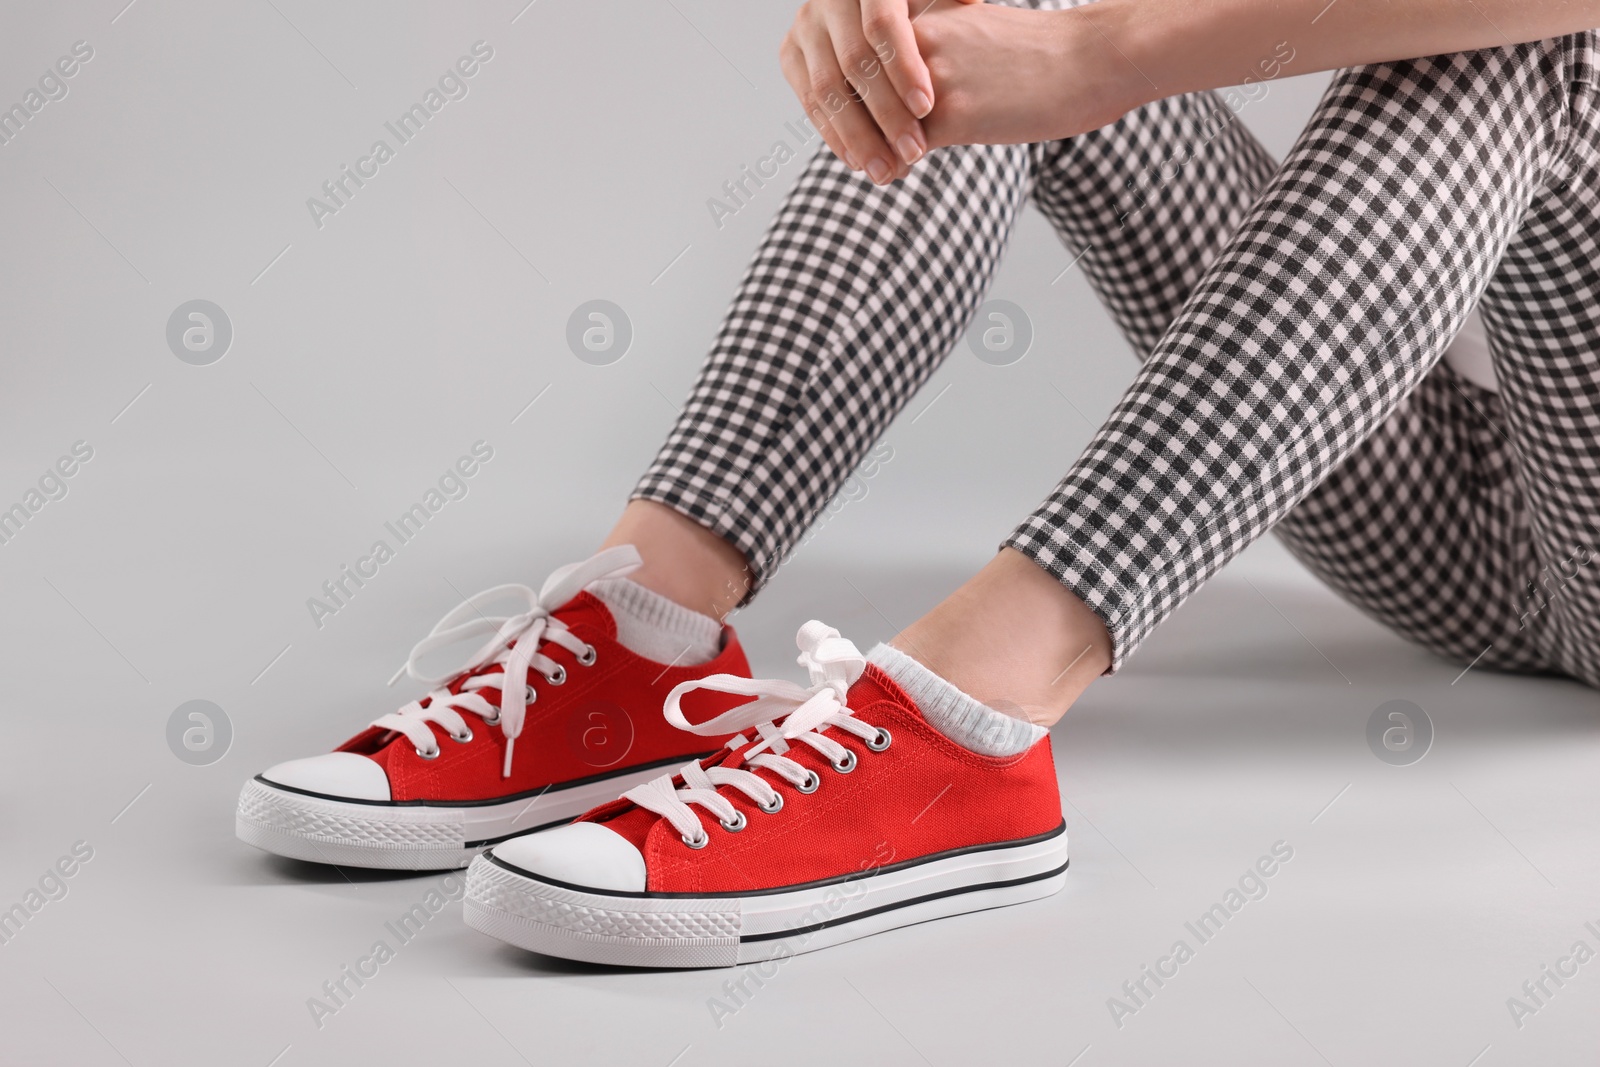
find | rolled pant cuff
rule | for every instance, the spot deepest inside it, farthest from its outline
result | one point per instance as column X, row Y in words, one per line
column 1127, row 618
column 709, row 510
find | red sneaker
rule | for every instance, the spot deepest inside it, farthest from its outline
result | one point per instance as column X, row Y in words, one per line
column 847, row 815
column 548, row 718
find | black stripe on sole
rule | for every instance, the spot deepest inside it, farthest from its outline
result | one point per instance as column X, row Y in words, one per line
column 509, row 798
column 516, row 833
column 793, row 888
column 843, row 919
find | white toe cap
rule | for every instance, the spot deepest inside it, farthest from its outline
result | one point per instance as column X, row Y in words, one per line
column 581, row 853
column 335, row 774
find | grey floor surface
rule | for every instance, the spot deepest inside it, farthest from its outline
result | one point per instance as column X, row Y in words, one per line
column 1418, row 898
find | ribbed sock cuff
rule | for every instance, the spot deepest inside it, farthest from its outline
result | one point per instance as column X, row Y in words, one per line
column 650, row 625
column 963, row 719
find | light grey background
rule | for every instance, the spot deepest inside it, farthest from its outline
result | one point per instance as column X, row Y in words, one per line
column 425, row 316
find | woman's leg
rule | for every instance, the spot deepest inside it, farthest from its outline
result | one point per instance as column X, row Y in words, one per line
column 1324, row 312
column 1144, row 206
column 855, row 296
column 1428, row 525
column 1424, row 527
column 1542, row 312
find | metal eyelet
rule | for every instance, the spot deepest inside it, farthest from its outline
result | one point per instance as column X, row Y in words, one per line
column 432, row 754
column 559, row 677
column 777, row 804
column 737, row 824
column 464, row 737
column 813, row 780
column 698, row 842
column 848, row 764
column 880, row 741
column 587, row 657
column 494, row 721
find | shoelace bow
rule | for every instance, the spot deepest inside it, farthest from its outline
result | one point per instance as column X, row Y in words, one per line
column 503, row 661
column 833, row 664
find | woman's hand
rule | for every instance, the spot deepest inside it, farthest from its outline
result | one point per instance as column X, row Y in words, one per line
column 866, row 72
column 855, row 66
column 1008, row 75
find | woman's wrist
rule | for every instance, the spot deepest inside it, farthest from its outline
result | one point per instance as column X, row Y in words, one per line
column 1160, row 50
column 1097, row 76
column 1187, row 48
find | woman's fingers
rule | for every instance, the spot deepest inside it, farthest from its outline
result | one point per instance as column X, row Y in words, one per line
column 887, row 27
column 865, row 68
column 791, row 58
column 832, row 94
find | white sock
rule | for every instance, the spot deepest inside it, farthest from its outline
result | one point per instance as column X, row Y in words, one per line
column 650, row 625
column 964, row 720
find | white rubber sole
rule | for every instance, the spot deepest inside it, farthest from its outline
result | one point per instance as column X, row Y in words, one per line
column 408, row 837
column 674, row 930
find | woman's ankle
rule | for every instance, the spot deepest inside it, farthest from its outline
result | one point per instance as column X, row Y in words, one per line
column 683, row 561
column 1014, row 638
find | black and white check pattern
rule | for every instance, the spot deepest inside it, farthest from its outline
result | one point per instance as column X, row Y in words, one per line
column 1291, row 318
column 854, row 297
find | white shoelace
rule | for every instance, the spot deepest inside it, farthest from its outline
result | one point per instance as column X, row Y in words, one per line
column 498, row 664
column 833, row 664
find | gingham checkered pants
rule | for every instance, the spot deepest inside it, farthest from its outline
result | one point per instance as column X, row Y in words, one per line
column 1290, row 318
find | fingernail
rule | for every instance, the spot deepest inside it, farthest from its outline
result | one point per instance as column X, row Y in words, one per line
column 910, row 150
column 918, row 102
column 850, row 161
column 879, row 171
